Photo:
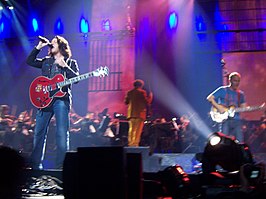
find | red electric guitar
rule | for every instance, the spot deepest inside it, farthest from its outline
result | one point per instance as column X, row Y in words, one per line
column 42, row 89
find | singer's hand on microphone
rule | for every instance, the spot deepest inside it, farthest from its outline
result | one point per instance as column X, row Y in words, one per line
column 41, row 45
column 43, row 42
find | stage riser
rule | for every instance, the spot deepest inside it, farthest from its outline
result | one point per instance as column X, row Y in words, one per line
column 87, row 178
column 166, row 160
column 158, row 161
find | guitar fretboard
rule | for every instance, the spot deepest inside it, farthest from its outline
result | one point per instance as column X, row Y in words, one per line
column 246, row 109
column 75, row 79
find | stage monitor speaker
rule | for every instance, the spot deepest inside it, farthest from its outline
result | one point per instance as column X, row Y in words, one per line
column 143, row 150
column 104, row 172
column 70, row 175
column 134, row 176
column 101, row 172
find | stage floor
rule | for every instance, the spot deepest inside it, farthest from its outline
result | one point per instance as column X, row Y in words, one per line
column 45, row 197
column 52, row 179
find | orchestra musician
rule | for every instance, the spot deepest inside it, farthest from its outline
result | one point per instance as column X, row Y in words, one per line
column 22, row 132
column 6, row 124
column 184, row 134
column 6, row 120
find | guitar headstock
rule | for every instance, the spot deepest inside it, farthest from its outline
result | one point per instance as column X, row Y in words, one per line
column 101, row 71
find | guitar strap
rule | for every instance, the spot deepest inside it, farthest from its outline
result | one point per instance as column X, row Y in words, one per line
column 226, row 100
column 69, row 62
column 238, row 98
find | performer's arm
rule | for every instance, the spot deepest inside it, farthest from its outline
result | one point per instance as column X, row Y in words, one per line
column 126, row 100
column 32, row 60
column 219, row 107
column 150, row 97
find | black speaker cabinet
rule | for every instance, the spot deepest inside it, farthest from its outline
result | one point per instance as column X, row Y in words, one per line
column 95, row 172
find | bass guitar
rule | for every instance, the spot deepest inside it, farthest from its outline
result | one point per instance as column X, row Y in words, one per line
column 42, row 89
column 218, row 117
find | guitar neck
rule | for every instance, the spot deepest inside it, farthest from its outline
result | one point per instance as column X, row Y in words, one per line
column 76, row 79
column 246, row 109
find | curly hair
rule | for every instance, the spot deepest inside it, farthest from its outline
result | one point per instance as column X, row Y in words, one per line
column 63, row 46
column 138, row 83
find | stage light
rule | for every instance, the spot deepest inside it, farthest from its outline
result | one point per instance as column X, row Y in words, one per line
column 201, row 28
column 200, row 24
column 226, row 152
column 84, row 26
column 6, row 5
column 173, row 20
column 175, row 180
column 215, row 139
column 106, row 25
column 2, row 27
column 35, row 25
column 58, row 27
column 225, row 27
column 10, row 7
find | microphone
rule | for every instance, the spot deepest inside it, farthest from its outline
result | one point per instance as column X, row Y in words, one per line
column 44, row 40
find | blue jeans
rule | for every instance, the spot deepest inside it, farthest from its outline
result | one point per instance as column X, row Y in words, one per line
column 233, row 127
column 59, row 108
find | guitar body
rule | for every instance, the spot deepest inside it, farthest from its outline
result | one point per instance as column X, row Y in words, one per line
column 230, row 112
column 217, row 116
column 42, row 90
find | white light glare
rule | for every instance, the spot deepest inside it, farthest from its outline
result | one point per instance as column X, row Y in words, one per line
column 214, row 140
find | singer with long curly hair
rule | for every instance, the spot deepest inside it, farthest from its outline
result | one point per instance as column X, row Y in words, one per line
column 57, row 62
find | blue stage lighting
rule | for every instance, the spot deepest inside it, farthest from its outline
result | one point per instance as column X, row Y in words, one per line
column 225, row 27
column 10, row 7
column 35, row 25
column 2, row 27
column 201, row 28
column 84, row 26
column 173, row 20
column 106, row 25
column 200, row 24
column 58, row 27
column 219, row 25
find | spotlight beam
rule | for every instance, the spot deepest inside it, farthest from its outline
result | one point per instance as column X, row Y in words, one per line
column 21, row 33
column 173, row 99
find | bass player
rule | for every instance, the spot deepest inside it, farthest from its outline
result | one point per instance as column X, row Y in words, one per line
column 229, row 96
